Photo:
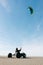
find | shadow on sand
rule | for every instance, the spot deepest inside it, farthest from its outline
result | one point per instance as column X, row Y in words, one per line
column 21, row 58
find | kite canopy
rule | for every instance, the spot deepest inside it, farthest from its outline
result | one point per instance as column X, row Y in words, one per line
column 31, row 9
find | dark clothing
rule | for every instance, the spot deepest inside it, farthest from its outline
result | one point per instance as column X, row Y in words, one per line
column 18, row 51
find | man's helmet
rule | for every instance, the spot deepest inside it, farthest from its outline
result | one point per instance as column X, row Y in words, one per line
column 16, row 48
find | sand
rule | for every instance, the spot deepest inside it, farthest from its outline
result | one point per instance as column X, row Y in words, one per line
column 21, row 61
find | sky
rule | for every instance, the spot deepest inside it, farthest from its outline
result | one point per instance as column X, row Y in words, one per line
column 18, row 28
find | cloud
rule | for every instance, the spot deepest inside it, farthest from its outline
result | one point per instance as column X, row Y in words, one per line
column 34, row 46
column 5, row 4
column 33, row 50
column 6, row 48
column 38, row 27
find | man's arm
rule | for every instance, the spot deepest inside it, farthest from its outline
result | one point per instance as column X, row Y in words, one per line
column 20, row 49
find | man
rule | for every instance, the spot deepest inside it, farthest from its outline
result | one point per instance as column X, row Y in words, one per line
column 17, row 51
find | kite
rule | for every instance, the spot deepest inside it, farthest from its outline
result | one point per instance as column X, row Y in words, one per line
column 31, row 10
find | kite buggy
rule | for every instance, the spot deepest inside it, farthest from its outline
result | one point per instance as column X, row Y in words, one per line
column 17, row 54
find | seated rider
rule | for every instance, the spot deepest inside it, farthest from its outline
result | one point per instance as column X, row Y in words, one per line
column 18, row 51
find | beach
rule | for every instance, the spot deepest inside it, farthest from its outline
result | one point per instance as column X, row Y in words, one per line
column 21, row 61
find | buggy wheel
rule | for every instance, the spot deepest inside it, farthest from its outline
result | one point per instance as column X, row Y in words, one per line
column 10, row 55
column 18, row 55
column 24, row 55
